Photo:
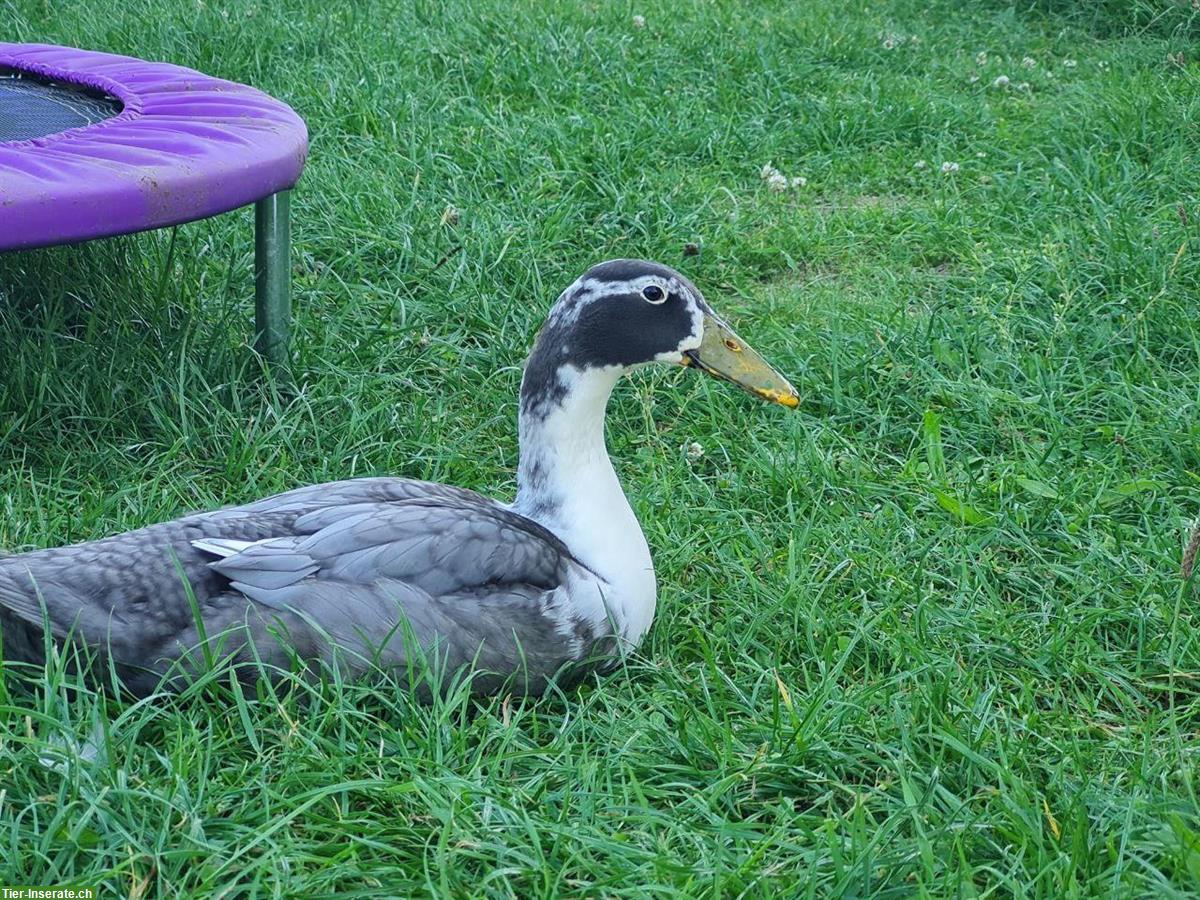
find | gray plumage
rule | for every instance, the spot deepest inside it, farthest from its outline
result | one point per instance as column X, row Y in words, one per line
column 367, row 566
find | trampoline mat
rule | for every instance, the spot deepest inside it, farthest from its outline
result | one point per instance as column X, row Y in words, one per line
column 32, row 107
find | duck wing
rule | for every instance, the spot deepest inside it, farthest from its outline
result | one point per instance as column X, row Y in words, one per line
column 464, row 580
column 443, row 546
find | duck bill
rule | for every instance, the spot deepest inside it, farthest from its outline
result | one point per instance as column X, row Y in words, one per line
column 724, row 355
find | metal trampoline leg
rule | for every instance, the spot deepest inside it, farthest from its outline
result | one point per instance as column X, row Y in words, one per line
column 272, row 277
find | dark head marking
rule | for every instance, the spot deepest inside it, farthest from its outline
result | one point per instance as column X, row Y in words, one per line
column 620, row 313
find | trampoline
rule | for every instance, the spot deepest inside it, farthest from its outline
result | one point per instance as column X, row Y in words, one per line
column 94, row 145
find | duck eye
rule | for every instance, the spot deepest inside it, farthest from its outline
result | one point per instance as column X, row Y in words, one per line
column 652, row 293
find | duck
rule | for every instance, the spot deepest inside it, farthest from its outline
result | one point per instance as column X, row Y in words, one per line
column 426, row 580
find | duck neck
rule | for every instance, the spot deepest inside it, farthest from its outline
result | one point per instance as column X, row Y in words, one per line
column 566, row 481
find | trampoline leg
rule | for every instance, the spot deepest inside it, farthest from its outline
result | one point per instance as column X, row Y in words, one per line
column 272, row 277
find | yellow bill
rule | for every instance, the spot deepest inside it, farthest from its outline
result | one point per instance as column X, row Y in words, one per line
column 724, row 355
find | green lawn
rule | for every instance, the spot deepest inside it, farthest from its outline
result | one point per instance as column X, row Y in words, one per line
column 925, row 637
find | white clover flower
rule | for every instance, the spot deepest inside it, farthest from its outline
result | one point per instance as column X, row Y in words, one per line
column 1024, row 86
column 981, row 58
column 639, row 21
column 1029, row 62
column 695, row 450
column 1001, row 81
column 971, row 79
column 949, row 167
column 981, row 154
column 920, row 164
column 1069, row 63
column 777, row 181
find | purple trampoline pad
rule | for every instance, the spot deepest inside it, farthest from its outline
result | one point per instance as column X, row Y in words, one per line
column 93, row 145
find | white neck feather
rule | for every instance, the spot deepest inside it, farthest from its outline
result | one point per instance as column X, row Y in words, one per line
column 566, row 483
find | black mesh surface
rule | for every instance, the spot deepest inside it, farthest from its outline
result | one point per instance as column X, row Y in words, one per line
column 32, row 107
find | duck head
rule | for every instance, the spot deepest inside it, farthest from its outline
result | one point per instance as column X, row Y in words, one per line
column 626, row 313
column 617, row 316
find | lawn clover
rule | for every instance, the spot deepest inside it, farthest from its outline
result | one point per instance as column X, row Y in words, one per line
column 695, row 450
column 1029, row 62
column 1001, row 82
column 1069, row 63
column 981, row 58
column 779, row 182
column 920, row 164
column 639, row 21
column 949, row 168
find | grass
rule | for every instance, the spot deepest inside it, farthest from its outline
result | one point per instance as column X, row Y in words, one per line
column 926, row 637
